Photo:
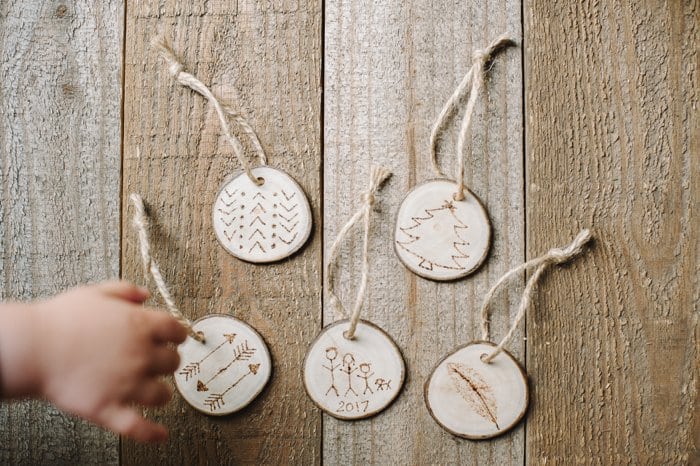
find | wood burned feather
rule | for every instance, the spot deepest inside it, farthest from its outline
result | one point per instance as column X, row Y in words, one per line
column 474, row 390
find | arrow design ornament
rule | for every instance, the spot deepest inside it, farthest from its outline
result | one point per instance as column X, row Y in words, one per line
column 193, row 368
column 227, row 372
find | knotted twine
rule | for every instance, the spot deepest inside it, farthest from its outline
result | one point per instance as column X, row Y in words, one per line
column 553, row 256
column 377, row 177
column 177, row 70
column 475, row 79
column 142, row 225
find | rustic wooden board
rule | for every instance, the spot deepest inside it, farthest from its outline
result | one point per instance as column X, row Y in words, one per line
column 60, row 87
column 612, row 143
column 263, row 58
column 389, row 67
column 612, row 134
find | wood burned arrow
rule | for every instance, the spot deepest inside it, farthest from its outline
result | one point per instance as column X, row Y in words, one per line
column 216, row 400
column 242, row 353
column 193, row 368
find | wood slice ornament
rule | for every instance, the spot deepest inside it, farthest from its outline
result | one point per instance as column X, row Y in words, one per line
column 479, row 390
column 226, row 372
column 473, row 399
column 353, row 370
column 262, row 222
column 260, row 215
column 225, row 363
column 438, row 237
column 353, row 378
column 442, row 229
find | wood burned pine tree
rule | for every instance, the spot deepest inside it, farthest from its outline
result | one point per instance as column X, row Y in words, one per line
column 423, row 239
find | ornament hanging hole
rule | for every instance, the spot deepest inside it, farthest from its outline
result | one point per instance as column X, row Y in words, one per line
column 260, row 181
column 347, row 336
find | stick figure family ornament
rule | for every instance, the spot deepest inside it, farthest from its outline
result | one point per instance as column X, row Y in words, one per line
column 348, row 366
column 353, row 369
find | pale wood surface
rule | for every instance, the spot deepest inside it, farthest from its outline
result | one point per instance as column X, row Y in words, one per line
column 60, row 87
column 439, row 238
column 262, row 224
column 226, row 372
column 389, row 67
column 474, row 399
column 263, row 58
column 353, row 379
column 612, row 143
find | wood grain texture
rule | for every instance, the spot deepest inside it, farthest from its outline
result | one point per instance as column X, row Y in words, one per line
column 389, row 67
column 60, row 88
column 263, row 58
column 613, row 135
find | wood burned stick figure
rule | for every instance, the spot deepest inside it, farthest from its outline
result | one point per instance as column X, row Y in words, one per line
column 331, row 354
column 349, row 368
column 365, row 369
column 383, row 384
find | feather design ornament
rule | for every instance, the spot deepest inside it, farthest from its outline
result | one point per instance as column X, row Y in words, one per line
column 474, row 390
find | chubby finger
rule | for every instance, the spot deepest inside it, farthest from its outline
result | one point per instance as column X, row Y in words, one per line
column 164, row 360
column 165, row 328
column 153, row 392
column 129, row 422
column 124, row 290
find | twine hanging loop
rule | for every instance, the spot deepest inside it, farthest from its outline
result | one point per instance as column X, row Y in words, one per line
column 377, row 177
column 177, row 70
column 552, row 257
column 474, row 81
column 142, row 226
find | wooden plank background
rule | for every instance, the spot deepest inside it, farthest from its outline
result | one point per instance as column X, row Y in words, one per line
column 592, row 121
column 264, row 59
column 389, row 68
column 60, row 126
column 613, row 345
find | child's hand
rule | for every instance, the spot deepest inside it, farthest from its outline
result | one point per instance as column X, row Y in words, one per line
column 93, row 351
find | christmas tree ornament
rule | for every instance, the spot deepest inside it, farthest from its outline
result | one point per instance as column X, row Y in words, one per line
column 442, row 229
column 353, row 369
column 260, row 215
column 225, row 363
column 479, row 390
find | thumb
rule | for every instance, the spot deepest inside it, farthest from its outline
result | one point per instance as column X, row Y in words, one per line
column 128, row 421
column 124, row 290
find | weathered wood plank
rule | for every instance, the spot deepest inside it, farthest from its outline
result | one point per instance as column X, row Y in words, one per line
column 613, row 134
column 264, row 58
column 60, row 87
column 389, row 67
